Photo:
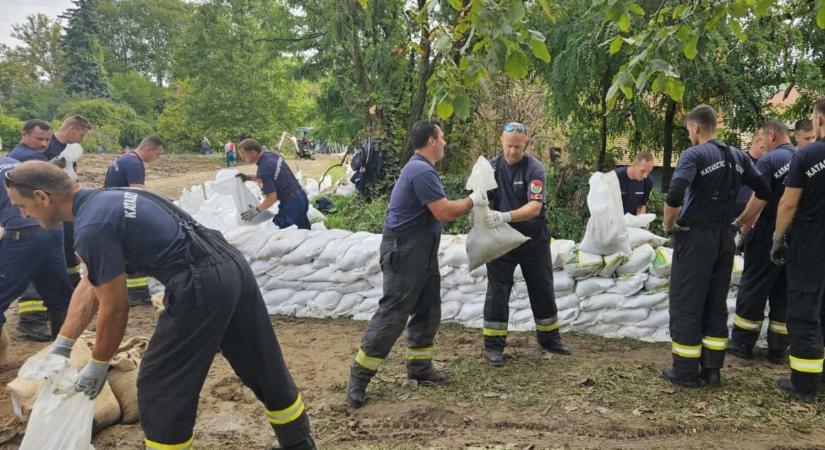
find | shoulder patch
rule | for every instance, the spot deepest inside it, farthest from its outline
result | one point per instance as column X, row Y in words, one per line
column 536, row 187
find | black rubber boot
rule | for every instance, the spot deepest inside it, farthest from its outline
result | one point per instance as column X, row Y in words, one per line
column 34, row 326
column 56, row 319
column 495, row 357
column 294, row 435
column 785, row 385
column 739, row 350
column 670, row 375
column 710, row 377
column 551, row 342
column 778, row 357
column 308, row 444
column 357, row 389
column 430, row 377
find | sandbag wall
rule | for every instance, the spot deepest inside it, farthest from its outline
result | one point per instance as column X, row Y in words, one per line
column 336, row 273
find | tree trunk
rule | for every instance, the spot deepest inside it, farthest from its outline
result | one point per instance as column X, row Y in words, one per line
column 418, row 99
column 603, row 130
column 667, row 153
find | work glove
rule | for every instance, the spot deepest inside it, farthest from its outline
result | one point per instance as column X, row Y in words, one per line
column 739, row 240
column 250, row 213
column 91, row 379
column 479, row 199
column 62, row 346
column 736, row 225
column 59, row 161
column 496, row 218
column 675, row 229
column 244, row 177
column 778, row 250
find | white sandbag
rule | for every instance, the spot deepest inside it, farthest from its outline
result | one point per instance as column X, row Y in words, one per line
column 738, row 266
column 657, row 284
column 315, row 216
column 585, row 318
column 326, row 183
column 644, row 300
column 367, row 307
column 449, row 310
column 662, row 262
column 61, row 417
column 592, row 286
column 640, row 221
column 282, row 242
column 342, row 241
column 582, row 264
column 634, row 332
column 611, row 263
column 470, row 311
column 562, row 282
column 560, row 250
column 638, row 262
column 306, row 252
column 358, row 256
column 275, row 282
column 484, row 243
column 453, row 254
column 479, row 272
column 567, row 316
column 606, row 232
column 624, row 316
column 629, row 285
column 567, row 302
column 639, row 236
column 296, row 273
column 345, row 188
column 277, row 297
column 348, row 301
column 522, row 316
column 601, row 301
column 327, row 300
column 311, row 187
column 658, row 318
column 475, row 288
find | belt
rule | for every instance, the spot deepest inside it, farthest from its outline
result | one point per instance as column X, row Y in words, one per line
column 22, row 233
column 290, row 194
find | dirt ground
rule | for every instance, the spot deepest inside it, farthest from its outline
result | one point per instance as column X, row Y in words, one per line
column 607, row 396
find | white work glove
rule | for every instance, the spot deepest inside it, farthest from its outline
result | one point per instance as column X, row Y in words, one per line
column 479, row 199
column 496, row 218
column 91, row 379
column 250, row 213
column 62, row 346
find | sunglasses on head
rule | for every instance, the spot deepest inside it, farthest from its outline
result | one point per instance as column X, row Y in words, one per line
column 9, row 181
column 515, row 128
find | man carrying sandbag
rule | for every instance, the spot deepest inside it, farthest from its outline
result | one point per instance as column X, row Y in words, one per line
column 278, row 184
column 212, row 302
column 702, row 232
column 801, row 215
column 520, row 201
column 763, row 281
column 409, row 262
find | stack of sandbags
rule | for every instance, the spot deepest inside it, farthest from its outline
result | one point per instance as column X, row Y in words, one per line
column 24, row 392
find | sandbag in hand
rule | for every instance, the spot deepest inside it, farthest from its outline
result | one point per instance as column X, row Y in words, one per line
column 244, row 177
column 250, row 214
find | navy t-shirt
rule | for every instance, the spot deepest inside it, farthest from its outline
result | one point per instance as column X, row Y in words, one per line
column 54, row 149
column 703, row 167
column 744, row 195
column 127, row 170
column 773, row 167
column 807, row 172
column 10, row 217
column 276, row 176
column 417, row 186
column 518, row 184
column 116, row 228
column 22, row 153
column 635, row 193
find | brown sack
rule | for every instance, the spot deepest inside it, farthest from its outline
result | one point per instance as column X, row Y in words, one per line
column 4, row 343
column 24, row 392
column 123, row 377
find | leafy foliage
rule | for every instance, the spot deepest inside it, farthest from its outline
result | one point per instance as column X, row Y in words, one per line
column 85, row 74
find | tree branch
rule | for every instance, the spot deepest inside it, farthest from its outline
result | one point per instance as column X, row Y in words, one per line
column 292, row 39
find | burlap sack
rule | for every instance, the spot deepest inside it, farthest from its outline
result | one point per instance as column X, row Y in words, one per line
column 4, row 344
column 24, row 392
column 123, row 377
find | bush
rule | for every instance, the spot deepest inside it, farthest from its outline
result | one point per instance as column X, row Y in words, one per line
column 10, row 129
column 354, row 214
column 119, row 123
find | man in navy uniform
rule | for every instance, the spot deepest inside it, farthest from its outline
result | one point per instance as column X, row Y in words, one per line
column 31, row 254
column 277, row 184
column 804, row 133
column 801, row 215
column 520, row 200
column 762, row 281
column 129, row 170
column 711, row 173
column 635, row 183
column 212, row 302
column 33, row 141
column 409, row 262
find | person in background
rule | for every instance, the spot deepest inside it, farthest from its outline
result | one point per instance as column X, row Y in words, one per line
column 34, row 140
column 635, row 183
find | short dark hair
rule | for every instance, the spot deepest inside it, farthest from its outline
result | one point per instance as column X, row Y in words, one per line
column 820, row 107
column 422, row 131
column 643, row 155
column 704, row 116
column 250, row 145
column 31, row 124
column 803, row 125
column 77, row 121
column 151, row 142
column 38, row 175
column 775, row 126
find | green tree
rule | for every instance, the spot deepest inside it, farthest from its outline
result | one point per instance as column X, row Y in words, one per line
column 40, row 52
column 85, row 74
column 143, row 95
